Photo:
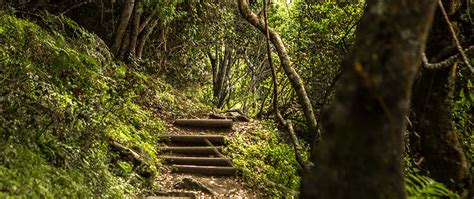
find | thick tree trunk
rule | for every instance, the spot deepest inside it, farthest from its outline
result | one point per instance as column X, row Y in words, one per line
column 432, row 114
column 290, row 72
column 122, row 28
column 361, row 152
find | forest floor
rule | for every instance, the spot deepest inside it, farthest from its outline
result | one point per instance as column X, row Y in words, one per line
column 221, row 186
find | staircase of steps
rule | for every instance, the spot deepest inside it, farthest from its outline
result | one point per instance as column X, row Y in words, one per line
column 198, row 154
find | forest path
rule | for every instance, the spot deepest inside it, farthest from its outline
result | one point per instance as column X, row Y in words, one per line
column 194, row 166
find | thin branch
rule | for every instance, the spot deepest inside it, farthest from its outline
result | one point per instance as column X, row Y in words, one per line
column 447, row 62
column 75, row 6
column 455, row 38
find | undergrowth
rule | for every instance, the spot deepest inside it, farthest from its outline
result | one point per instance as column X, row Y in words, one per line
column 420, row 186
column 267, row 160
column 63, row 101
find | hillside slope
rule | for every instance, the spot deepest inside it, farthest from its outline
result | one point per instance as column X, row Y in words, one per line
column 72, row 121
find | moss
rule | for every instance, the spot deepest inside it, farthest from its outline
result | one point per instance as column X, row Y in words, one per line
column 62, row 98
column 265, row 157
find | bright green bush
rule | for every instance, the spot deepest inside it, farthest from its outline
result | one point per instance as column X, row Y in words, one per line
column 266, row 158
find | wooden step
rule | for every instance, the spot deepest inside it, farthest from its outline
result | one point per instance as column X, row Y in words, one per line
column 203, row 161
column 172, row 195
column 205, row 170
column 192, row 150
column 204, row 123
column 194, row 139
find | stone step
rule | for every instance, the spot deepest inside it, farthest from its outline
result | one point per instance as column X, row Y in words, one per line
column 202, row 161
column 204, row 123
column 194, row 139
column 205, row 170
column 192, row 150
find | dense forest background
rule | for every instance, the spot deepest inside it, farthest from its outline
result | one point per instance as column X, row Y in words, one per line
column 355, row 99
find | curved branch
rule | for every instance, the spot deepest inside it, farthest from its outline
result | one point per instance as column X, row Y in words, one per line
column 455, row 38
column 445, row 63
column 290, row 72
column 289, row 126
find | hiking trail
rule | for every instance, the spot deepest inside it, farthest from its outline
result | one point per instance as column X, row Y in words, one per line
column 194, row 165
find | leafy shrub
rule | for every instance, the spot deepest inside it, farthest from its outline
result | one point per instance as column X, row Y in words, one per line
column 265, row 158
column 419, row 186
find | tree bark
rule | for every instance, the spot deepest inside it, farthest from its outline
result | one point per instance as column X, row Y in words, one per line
column 137, row 14
column 122, row 28
column 432, row 111
column 125, row 45
column 144, row 37
column 290, row 72
column 220, row 73
column 361, row 153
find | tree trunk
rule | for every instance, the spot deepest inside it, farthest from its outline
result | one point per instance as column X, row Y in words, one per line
column 144, row 37
column 137, row 14
column 125, row 45
column 361, row 152
column 290, row 72
column 432, row 114
column 122, row 28
column 220, row 73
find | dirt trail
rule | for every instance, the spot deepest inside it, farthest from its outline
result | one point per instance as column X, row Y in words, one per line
column 182, row 184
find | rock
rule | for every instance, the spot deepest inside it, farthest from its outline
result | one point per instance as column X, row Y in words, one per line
column 237, row 117
column 189, row 183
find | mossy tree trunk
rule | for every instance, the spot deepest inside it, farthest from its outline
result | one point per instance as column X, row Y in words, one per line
column 432, row 118
column 360, row 155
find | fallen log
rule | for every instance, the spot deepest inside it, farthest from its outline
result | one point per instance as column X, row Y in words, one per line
column 126, row 151
column 211, row 123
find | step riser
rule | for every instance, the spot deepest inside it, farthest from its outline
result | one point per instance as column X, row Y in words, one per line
column 204, row 123
column 211, row 171
column 199, row 161
column 193, row 139
column 193, row 150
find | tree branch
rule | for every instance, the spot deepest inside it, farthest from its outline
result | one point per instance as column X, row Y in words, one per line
column 447, row 62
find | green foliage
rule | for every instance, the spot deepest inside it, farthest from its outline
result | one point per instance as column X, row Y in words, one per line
column 463, row 107
column 420, row 186
column 265, row 158
column 62, row 100
column 317, row 36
